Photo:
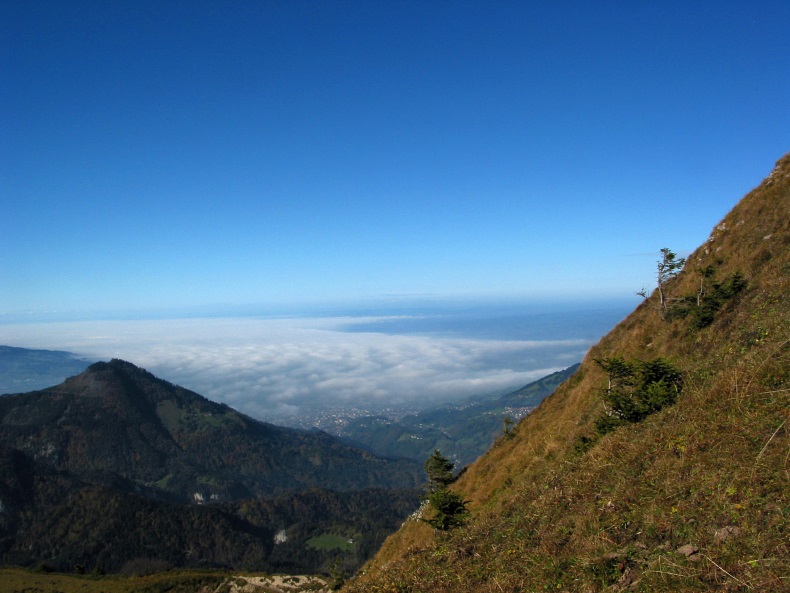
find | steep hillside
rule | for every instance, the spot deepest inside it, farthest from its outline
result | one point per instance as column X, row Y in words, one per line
column 461, row 431
column 694, row 497
column 118, row 421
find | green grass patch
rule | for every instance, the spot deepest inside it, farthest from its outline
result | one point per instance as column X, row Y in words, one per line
column 328, row 541
column 164, row 483
column 169, row 414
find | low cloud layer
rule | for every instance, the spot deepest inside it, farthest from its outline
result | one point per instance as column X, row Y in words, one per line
column 274, row 368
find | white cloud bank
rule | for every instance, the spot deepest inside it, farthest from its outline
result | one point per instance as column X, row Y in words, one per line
column 272, row 368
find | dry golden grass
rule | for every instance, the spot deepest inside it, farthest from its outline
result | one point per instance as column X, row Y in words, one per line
column 711, row 472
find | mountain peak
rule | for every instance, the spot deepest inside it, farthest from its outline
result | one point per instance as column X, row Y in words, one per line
column 119, row 368
column 120, row 419
column 115, row 363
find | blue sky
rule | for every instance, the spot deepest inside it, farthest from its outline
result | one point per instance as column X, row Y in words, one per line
column 184, row 156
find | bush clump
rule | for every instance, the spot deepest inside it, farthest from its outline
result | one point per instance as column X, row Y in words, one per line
column 449, row 508
column 636, row 389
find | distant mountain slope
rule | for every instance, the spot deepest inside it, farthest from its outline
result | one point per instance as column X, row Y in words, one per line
column 694, row 497
column 462, row 432
column 533, row 393
column 24, row 369
column 118, row 420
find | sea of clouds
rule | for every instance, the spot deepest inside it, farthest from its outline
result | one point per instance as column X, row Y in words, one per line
column 273, row 369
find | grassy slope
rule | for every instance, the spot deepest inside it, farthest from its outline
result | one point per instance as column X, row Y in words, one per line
column 545, row 517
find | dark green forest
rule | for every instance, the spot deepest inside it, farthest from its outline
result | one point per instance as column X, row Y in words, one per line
column 53, row 520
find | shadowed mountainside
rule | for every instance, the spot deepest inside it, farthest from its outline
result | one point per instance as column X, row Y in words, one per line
column 115, row 469
column 56, row 520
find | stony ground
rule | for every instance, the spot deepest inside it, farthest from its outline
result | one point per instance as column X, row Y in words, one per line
column 274, row 584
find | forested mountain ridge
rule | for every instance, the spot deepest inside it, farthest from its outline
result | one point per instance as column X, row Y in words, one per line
column 118, row 420
column 104, row 472
column 663, row 464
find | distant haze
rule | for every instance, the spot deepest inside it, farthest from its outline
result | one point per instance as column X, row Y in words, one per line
column 275, row 368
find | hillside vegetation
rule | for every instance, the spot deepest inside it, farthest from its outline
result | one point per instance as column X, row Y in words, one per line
column 694, row 497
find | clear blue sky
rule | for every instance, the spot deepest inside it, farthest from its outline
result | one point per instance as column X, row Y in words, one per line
column 195, row 154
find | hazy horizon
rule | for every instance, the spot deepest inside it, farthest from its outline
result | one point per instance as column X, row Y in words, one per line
column 273, row 368
column 287, row 202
